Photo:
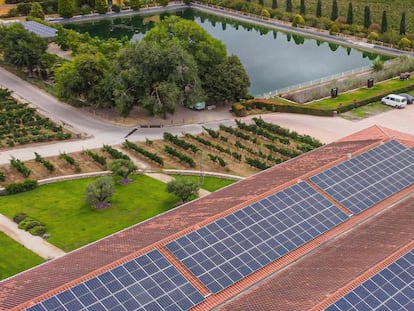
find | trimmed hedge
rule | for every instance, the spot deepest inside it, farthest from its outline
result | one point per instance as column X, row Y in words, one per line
column 27, row 185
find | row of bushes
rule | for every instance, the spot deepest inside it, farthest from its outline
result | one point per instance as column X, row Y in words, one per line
column 217, row 159
column 46, row 163
column 255, row 129
column 30, row 224
column 114, row 153
column 20, row 167
column 71, row 161
column 181, row 156
column 17, row 187
column 180, row 142
column 152, row 156
column 100, row 159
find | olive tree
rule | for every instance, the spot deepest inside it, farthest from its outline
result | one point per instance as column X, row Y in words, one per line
column 183, row 188
column 98, row 193
column 123, row 168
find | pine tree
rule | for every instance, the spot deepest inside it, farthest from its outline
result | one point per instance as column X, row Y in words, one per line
column 367, row 17
column 288, row 5
column 402, row 24
column 384, row 23
column 302, row 7
column 319, row 9
column 334, row 14
column 350, row 16
column 274, row 4
column 66, row 8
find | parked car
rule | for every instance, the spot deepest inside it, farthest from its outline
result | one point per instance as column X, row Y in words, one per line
column 410, row 99
column 394, row 100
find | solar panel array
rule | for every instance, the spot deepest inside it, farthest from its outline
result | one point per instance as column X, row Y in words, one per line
column 229, row 249
column 370, row 177
column 391, row 289
column 40, row 29
column 149, row 282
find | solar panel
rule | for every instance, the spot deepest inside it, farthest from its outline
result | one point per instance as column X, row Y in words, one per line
column 370, row 177
column 227, row 250
column 149, row 282
column 390, row 289
column 40, row 29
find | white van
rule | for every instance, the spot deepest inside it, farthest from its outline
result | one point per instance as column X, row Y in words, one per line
column 393, row 100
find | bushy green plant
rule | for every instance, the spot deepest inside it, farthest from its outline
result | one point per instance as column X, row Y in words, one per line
column 27, row 185
column 116, row 154
column 152, row 156
column 298, row 21
column 19, row 217
column 2, row 176
column 20, row 167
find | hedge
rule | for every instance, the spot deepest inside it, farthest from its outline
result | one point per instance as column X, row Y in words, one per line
column 27, row 185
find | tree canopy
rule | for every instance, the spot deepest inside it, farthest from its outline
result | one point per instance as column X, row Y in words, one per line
column 98, row 193
column 182, row 188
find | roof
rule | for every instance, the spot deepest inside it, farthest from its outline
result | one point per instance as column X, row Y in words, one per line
column 298, row 280
column 39, row 29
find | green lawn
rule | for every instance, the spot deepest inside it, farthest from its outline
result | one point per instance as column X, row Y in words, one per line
column 15, row 258
column 72, row 223
column 365, row 111
column 344, row 98
column 210, row 183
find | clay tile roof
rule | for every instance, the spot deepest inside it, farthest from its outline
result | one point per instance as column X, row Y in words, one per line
column 308, row 274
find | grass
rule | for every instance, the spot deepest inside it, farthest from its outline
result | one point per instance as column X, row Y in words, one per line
column 210, row 183
column 365, row 111
column 15, row 258
column 386, row 87
column 72, row 223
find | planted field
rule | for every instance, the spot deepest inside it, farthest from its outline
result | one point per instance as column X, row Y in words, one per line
column 20, row 124
column 242, row 150
column 73, row 223
column 15, row 258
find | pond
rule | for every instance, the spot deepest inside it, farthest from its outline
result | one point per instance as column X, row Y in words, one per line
column 273, row 59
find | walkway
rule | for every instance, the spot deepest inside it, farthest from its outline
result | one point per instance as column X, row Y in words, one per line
column 35, row 243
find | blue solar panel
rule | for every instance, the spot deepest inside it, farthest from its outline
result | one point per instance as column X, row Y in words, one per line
column 369, row 178
column 40, row 29
column 390, row 289
column 227, row 250
column 149, row 282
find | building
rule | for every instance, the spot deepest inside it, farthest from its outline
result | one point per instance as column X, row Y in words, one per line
column 318, row 231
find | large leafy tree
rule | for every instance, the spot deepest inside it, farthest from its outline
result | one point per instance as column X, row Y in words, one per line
column 83, row 79
column 208, row 52
column 21, row 48
column 66, row 8
column 36, row 10
column 183, row 188
column 156, row 77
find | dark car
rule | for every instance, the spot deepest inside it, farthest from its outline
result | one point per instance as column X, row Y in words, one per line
column 410, row 99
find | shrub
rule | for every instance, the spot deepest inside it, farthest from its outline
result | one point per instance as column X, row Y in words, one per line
column 2, row 176
column 404, row 43
column 116, row 154
column 20, row 167
column 39, row 230
column 19, row 217
column 375, row 27
column 373, row 36
column 334, row 29
column 239, row 110
column 116, row 8
column 27, row 185
column 341, row 20
column 265, row 13
column 152, row 156
column 96, row 157
column 298, row 21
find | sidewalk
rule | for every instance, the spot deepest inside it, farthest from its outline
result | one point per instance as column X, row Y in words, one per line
column 35, row 243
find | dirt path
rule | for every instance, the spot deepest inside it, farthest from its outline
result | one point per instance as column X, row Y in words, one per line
column 34, row 243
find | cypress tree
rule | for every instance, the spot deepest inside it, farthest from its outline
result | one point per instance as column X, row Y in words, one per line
column 288, row 5
column 384, row 23
column 402, row 24
column 367, row 17
column 261, row 2
column 334, row 14
column 302, row 7
column 319, row 9
column 350, row 16
column 274, row 4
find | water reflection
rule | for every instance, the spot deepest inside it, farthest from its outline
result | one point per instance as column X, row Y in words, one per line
column 272, row 59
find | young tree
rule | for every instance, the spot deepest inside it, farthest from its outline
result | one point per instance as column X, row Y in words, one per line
column 36, row 10
column 274, row 4
column 182, row 188
column 302, row 7
column 101, row 6
column 384, row 23
column 98, row 193
column 319, row 9
column 334, row 14
column 66, row 8
column 350, row 15
column 135, row 4
column 367, row 17
column 402, row 24
column 123, row 168
column 288, row 5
